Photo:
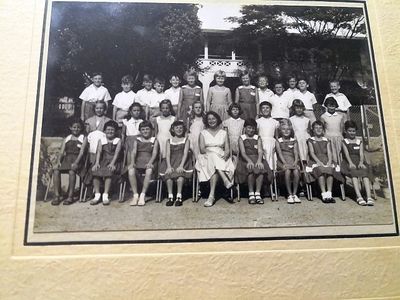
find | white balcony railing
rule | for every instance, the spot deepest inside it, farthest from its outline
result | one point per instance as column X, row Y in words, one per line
column 229, row 66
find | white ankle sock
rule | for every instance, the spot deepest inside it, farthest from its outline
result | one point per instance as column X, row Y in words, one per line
column 97, row 196
column 328, row 194
column 170, row 196
column 178, row 195
column 324, row 195
column 105, row 196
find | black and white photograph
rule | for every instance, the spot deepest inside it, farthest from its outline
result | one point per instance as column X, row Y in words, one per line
column 177, row 122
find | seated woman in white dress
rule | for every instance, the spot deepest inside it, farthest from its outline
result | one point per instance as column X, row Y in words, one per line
column 214, row 160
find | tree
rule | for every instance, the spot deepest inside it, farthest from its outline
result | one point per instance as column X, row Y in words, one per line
column 120, row 38
column 317, row 42
column 117, row 39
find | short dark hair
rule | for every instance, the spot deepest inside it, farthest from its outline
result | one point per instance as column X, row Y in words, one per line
column 250, row 122
column 350, row 124
column 76, row 121
column 146, row 123
column 135, row 104
column 168, row 102
column 233, row 105
column 174, row 75
column 298, row 103
column 97, row 74
column 177, row 123
column 279, row 82
column 318, row 122
column 112, row 124
column 213, row 113
column 265, row 103
column 331, row 101
column 303, row 78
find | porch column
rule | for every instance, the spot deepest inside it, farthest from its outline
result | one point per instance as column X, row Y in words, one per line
column 206, row 50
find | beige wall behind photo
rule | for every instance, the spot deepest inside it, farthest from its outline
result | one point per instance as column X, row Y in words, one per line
column 282, row 269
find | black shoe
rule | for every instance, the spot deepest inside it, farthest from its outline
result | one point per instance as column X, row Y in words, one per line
column 170, row 202
column 178, row 202
column 332, row 200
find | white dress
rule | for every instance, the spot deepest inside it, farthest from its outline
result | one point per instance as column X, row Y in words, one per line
column 235, row 130
column 207, row 164
column 164, row 125
column 266, row 130
column 300, row 128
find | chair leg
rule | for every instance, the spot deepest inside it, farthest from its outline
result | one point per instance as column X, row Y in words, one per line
column 308, row 187
column 197, row 189
column 276, row 189
column 193, row 187
column 81, row 192
column 159, row 191
column 123, row 190
column 85, row 194
column 48, row 188
column 342, row 191
column 272, row 192
column 238, row 192
column 120, row 191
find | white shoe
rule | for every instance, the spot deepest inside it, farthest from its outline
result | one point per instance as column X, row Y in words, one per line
column 290, row 199
column 209, row 202
column 296, row 199
column 142, row 199
column 106, row 201
column 135, row 199
column 96, row 199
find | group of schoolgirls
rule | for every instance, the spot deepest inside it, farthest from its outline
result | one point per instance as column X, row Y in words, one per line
column 145, row 128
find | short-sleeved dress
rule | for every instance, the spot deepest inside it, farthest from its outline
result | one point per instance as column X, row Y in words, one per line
column 107, row 155
column 321, row 151
column 354, row 152
column 300, row 127
column 220, row 99
column 189, row 96
column 144, row 151
column 164, row 125
column 266, row 130
column 247, row 101
column 176, row 155
column 72, row 150
column 251, row 148
column 333, row 124
column 207, row 164
column 194, row 131
column 287, row 149
column 235, row 130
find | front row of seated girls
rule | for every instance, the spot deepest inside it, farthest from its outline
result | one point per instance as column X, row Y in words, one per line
column 213, row 154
